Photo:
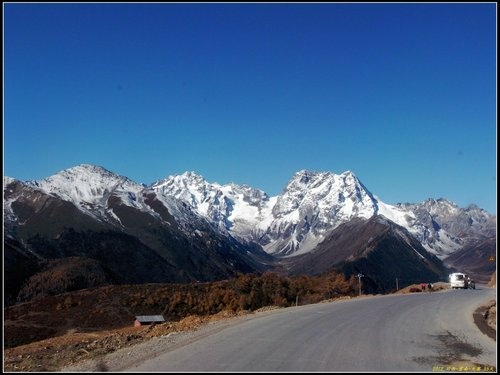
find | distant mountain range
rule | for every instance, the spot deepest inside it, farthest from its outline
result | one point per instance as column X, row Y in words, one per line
column 88, row 220
column 312, row 204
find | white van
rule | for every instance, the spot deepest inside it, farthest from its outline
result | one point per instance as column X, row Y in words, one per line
column 459, row 280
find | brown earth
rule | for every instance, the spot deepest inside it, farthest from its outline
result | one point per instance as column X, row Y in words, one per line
column 57, row 352
column 51, row 332
column 417, row 288
column 485, row 318
column 115, row 306
column 74, row 348
column 493, row 280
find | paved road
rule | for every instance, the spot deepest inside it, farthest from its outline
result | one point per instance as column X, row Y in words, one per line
column 413, row 332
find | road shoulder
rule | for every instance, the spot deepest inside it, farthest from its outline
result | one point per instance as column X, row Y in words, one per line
column 485, row 319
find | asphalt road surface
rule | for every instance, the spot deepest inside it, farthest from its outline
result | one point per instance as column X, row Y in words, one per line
column 412, row 332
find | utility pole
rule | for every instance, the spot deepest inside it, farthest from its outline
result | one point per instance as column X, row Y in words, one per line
column 397, row 287
column 359, row 276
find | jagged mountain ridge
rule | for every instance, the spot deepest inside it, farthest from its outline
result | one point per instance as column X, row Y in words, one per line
column 238, row 209
column 184, row 228
column 310, row 206
column 445, row 228
column 135, row 235
column 313, row 204
column 291, row 223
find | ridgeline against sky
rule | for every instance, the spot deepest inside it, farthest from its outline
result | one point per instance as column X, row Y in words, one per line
column 403, row 95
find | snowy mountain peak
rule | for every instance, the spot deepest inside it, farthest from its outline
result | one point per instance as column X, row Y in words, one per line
column 439, row 204
column 7, row 180
column 303, row 176
column 327, row 190
column 308, row 178
column 84, row 171
column 231, row 207
column 187, row 180
column 193, row 176
column 312, row 204
column 188, row 187
column 88, row 170
column 85, row 184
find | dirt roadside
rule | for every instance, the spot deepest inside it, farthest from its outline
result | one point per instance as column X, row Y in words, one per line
column 112, row 350
column 485, row 318
column 120, row 360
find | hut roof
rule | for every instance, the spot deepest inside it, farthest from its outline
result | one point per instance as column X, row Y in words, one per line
column 150, row 318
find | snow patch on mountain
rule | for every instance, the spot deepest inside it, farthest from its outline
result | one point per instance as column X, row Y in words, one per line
column 8, row 180
column 442, row 227
column 400, row 216
column 235, row 208
column 87, row 184
column 311, row 205
column 7, row 202
column 94, row 190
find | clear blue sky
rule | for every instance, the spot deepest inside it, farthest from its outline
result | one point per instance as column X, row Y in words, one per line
column 403, row 95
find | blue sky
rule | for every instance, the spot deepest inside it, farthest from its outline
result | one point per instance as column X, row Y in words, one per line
column 403, row 95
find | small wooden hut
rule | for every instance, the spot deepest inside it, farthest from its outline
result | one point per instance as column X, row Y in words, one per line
column 141, row 320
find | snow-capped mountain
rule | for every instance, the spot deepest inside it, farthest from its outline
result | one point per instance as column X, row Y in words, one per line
column 294, row 222
column 184, row 228
column 97, row 192
column 88, row 184
column 90, row 187
column 65, row 214
column 455, row 220
column 443, row 228
column 314, row 203
column 236, row 209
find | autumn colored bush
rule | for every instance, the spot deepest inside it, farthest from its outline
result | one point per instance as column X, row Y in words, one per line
column 115, row 306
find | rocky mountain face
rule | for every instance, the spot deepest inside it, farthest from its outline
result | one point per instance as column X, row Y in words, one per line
column 291, row 223
column 465, row 239
column 314, row 203
column 184, row 228
column 135, row 236
column 443, row 227
column 476, row 258
column 310, row 205
column 235, row 209
column 383, row 252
